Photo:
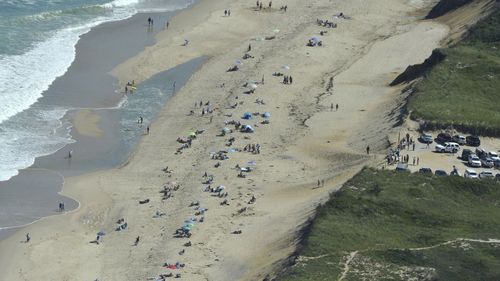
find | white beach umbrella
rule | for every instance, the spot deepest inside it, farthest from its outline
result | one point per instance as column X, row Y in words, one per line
column 285, row 67
column 276, row 31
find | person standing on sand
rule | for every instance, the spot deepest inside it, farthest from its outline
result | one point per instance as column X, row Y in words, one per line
column 368, row 150
column 28, row 237
column 137, row 240
column 225, row 13
column 147, row 130
column 337, row 107
column 70, row 154
column 331, row 107
column 167, row 24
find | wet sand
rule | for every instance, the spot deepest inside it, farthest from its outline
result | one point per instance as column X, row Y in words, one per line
column 103, row 139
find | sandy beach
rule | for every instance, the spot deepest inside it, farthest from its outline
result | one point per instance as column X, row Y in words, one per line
column 306, row 149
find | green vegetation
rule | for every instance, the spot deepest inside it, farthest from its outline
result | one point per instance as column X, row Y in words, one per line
column 463, row 90
column 385, row 214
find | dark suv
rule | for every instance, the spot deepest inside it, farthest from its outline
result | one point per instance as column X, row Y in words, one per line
column 465, row 154
column 473, row 141
column 443, row 137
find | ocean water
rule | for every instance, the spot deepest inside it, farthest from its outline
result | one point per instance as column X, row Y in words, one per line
column 37, row 46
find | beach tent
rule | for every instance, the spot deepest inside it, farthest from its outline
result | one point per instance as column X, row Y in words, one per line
column 247, row 129
column 247, row 115
column 315, row 40
column 266, row 115
column 252, row 85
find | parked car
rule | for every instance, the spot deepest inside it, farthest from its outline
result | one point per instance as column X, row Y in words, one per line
column 465, row 154
column 481, row 153
column 470, row 174
column 497, row 177
column 443, row 137
column 496, row 163
column 474, row 161
column 425, row 138
column 459, row 139
column 493, row 155
column 425, row 171
column 402, row 167
column 487, row 163
column 486, row 175
column 440, row 173
column 450, row 147
column 473, row 141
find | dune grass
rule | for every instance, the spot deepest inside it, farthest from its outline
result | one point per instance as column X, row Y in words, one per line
column 463, row 90
column 382, row 214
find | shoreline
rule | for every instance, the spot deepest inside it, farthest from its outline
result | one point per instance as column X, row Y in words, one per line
column 97, row 100
column 303, row 142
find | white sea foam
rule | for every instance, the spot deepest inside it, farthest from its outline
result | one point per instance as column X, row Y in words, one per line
column 23, row 79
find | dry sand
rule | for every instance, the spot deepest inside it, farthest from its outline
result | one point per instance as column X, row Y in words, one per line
column 304, row 142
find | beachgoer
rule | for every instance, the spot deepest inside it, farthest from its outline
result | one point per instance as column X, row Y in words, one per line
column 331, row 107
column 336, row 107
column 249, row 48
column 28, row 237
column 270, row 4
column 290, row 79
column 137, row 241
column 173, row 86
column 413, row 146
column 418, row 160
column 70, row 154
column 228, row 13
column 167, row 24
column 149, row 21
column 126, row 90
column 225, row 13
column 368, row 150
column 147, row 130
column 262, row 79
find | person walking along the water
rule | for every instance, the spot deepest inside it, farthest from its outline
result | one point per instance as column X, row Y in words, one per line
column 28, row 237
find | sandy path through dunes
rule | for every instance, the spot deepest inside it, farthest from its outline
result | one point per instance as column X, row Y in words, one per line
column 304, row 142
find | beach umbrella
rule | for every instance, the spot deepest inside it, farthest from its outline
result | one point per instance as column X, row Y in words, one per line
column 101, row 233
column 316, row 39
column 276, row 31
column 266, row 115
column 226, row 130
column 247, row 115
column 239, row 62
column 285, row 67
column 252, row 85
